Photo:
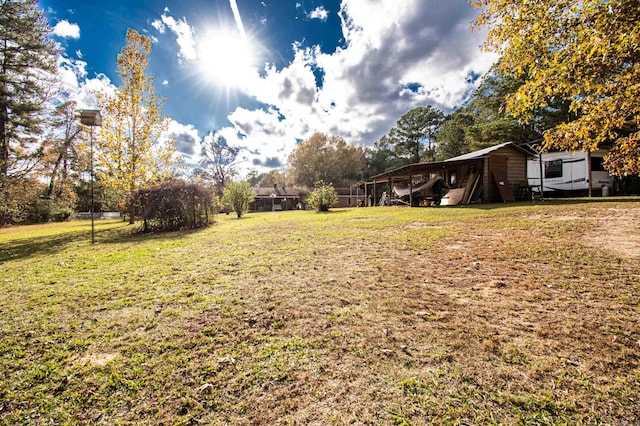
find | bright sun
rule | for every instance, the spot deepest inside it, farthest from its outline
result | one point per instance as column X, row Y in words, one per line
column 225, row 58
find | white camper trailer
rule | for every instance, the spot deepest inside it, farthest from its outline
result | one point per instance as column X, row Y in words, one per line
column 568, row 172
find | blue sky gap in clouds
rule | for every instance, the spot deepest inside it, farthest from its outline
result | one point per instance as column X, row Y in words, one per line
column 269, row 73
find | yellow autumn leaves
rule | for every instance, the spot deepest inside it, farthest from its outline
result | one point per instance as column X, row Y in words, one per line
column 587, row 53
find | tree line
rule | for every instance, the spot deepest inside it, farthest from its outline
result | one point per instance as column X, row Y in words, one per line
column 572, row 89
column 52, row 165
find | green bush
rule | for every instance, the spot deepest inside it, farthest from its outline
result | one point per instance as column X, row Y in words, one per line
column 322, row 197
column 238, row 195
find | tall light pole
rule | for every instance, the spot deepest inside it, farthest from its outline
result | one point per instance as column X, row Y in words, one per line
column 91, row 118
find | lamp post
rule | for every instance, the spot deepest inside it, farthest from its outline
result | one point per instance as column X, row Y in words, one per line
column 91, row 118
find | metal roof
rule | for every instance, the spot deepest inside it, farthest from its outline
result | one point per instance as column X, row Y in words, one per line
column 483, row 152
column 434, row 166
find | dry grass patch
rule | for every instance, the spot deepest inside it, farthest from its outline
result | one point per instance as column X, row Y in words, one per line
column 491, row 315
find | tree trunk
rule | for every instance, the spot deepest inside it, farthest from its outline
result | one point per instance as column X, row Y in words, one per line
column 54, row 174
column 4, row 143
column 132, row 213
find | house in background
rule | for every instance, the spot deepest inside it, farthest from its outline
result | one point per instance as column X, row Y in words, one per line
column 277, row 198
column 345, row 198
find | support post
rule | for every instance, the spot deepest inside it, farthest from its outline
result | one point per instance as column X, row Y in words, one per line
column 93, row 232
column 91, row 118
column 410, row 190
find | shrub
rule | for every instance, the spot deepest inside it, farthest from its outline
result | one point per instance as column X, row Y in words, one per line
column 322, row 197
column 238, row 195
column 23, row 201
column 175, row 204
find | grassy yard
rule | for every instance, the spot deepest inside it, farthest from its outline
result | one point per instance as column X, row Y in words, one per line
column 517, row 314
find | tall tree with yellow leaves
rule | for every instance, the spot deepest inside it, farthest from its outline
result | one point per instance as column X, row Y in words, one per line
column 130, row 151
column 587, row 52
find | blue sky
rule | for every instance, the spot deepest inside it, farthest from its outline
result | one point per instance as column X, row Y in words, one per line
column 267, row 74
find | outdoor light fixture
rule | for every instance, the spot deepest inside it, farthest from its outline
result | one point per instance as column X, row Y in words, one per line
column 91, row 118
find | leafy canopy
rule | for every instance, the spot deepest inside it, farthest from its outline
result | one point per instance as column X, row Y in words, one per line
column 586, row 52
column 325, row 158
column 218, row 159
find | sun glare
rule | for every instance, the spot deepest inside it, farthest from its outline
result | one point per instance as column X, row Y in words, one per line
column 225, row 58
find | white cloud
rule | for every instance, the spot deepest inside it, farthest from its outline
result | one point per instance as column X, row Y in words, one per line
column 158, row 25
column 86, row 95
column 319, row 13
column 398, row 55
column 165, row 82
column 65, row 29
column 69, row 72
column 75, row 86
column 183, row 32
column 186, row 139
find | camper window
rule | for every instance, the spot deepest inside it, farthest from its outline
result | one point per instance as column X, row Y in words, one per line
column 553, row 169
column 597, row 164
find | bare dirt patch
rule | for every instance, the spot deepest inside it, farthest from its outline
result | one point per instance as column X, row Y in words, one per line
column 617, row 230
column 97, row 359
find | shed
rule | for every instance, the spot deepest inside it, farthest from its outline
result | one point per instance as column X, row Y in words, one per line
column 496, row 173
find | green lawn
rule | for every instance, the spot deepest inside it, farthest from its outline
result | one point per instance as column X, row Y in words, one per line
column 497, row 314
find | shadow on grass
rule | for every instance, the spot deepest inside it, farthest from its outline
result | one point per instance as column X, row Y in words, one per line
column 136, row 234
column 26, row 247
column 332, row 211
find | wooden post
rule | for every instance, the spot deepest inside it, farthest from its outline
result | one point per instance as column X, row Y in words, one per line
column 485, row 180
column 366, row 199
column 410, row 190
column 375, row 192
column 541, row 175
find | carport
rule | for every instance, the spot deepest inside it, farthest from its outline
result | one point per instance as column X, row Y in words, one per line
column 497, row 173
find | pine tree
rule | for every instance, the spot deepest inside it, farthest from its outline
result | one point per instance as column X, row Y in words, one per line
column 413, row 129
column 27, row 62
